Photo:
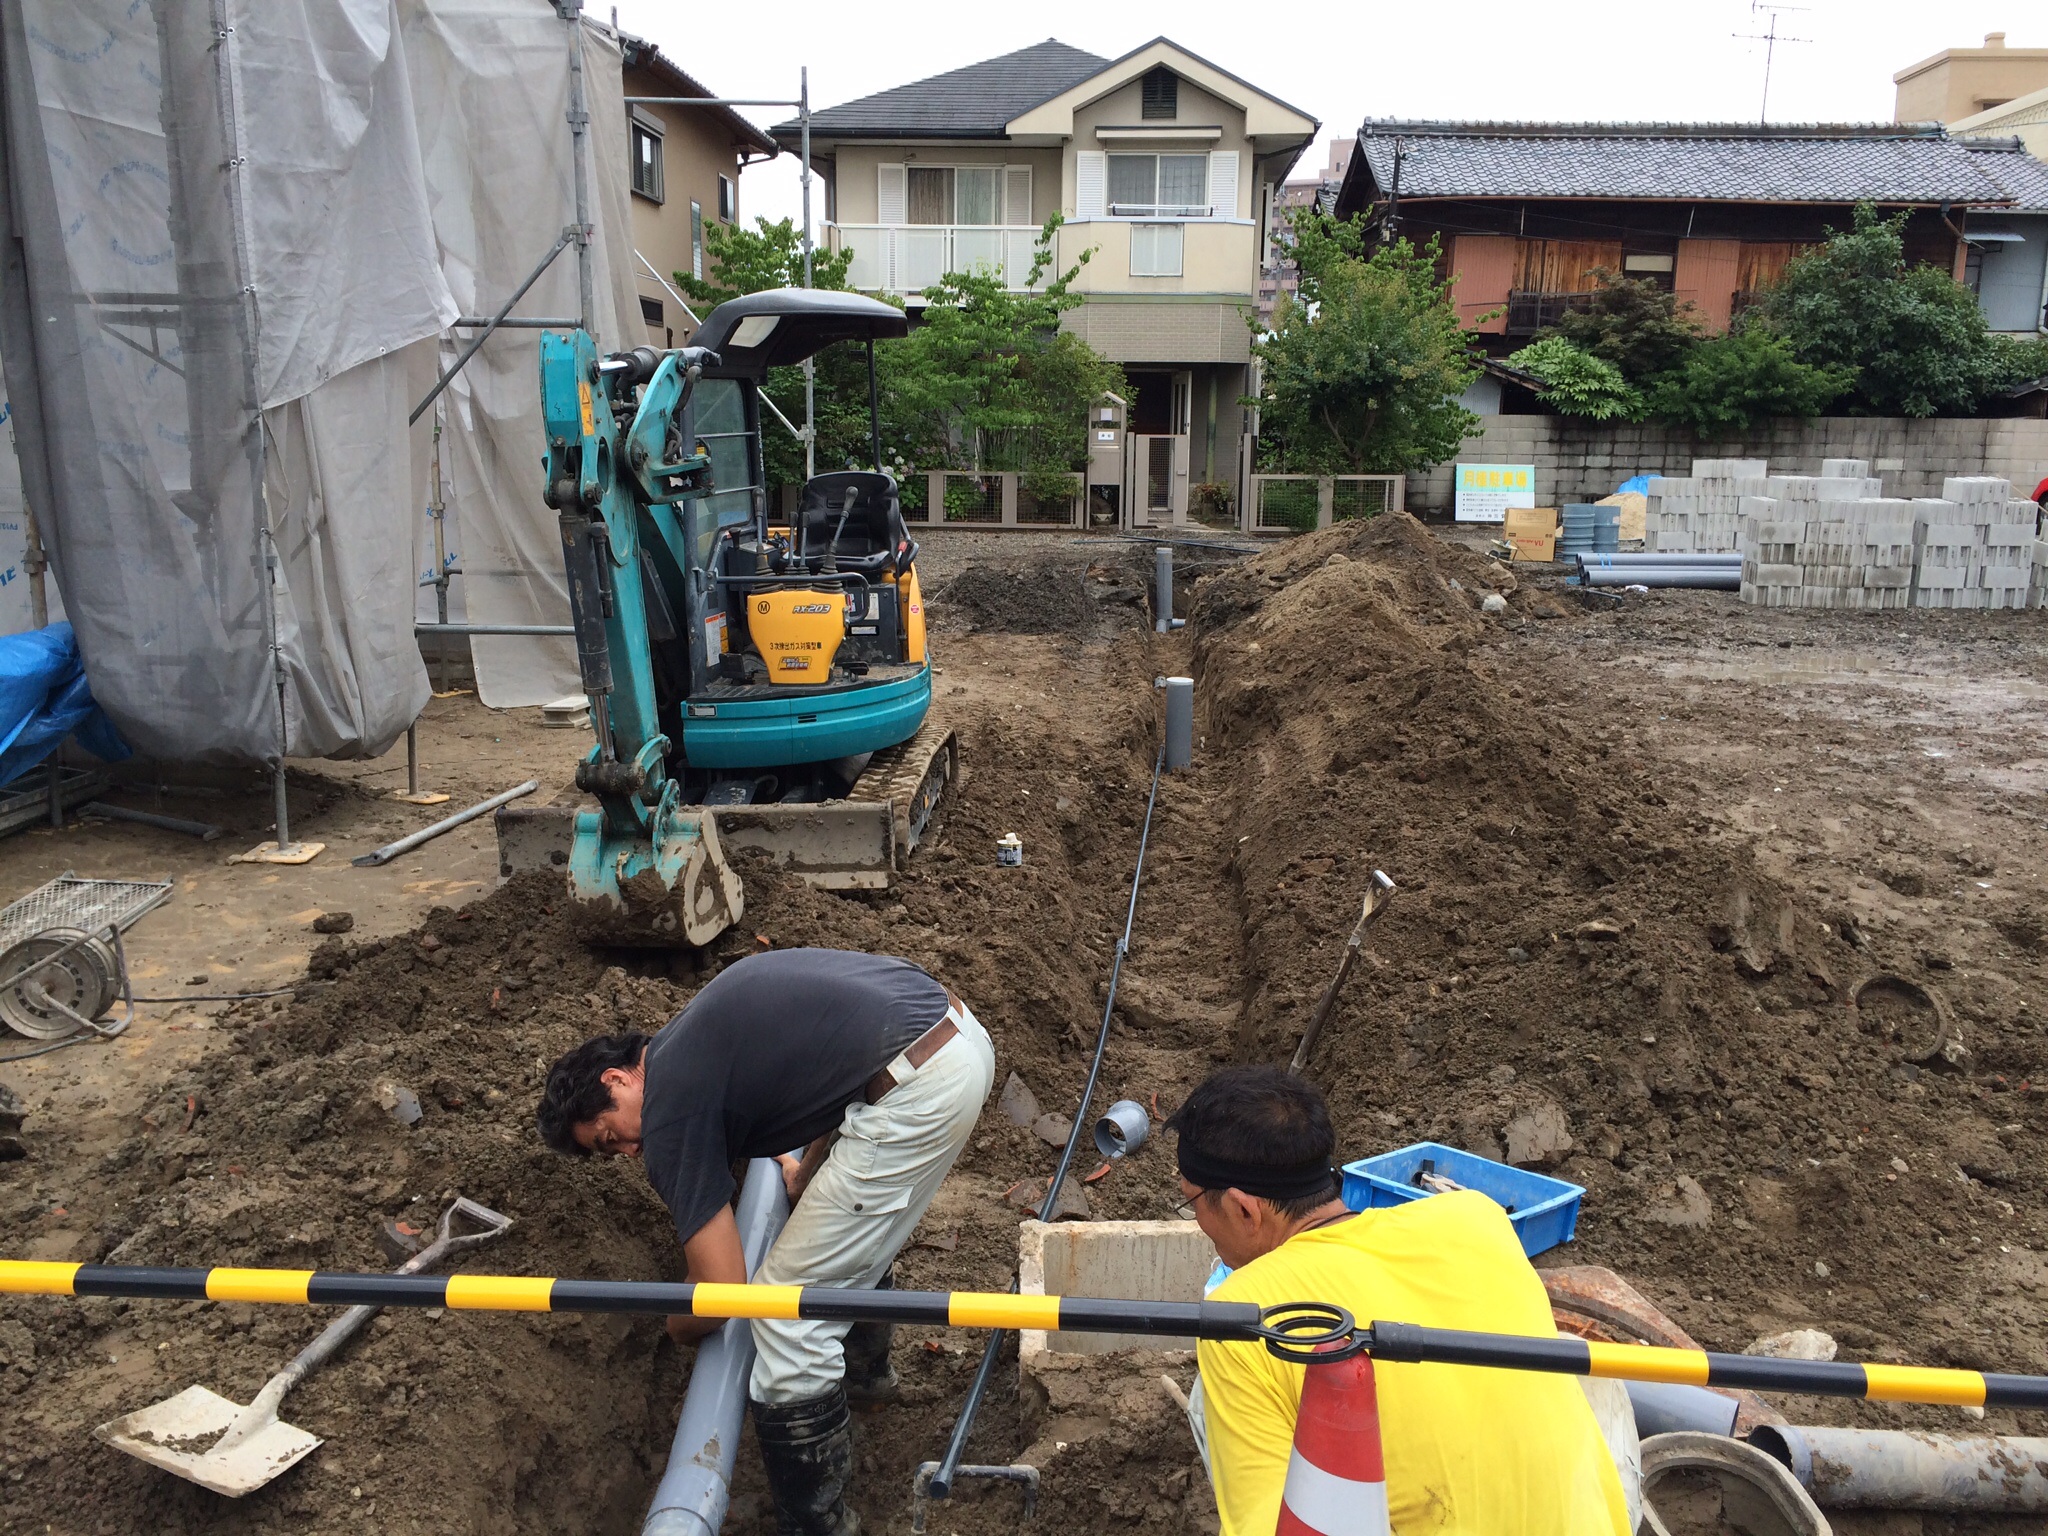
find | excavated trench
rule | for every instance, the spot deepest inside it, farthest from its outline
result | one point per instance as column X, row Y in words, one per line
column 1580, row 969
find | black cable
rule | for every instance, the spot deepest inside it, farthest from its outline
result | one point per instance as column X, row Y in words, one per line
column 941, row 1484
column 229, row 997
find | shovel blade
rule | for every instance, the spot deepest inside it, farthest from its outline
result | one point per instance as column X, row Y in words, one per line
column 178, row 1433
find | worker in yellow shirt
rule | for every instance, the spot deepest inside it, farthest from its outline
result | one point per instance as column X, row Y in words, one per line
column 1470, row 1451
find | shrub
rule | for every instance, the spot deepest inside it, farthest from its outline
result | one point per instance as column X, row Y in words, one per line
column 1580, row 384
column 1728, row 383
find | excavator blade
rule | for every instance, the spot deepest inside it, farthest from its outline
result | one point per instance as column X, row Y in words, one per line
column 859, row 843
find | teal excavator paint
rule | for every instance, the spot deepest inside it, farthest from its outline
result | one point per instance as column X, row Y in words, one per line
column 692, row 613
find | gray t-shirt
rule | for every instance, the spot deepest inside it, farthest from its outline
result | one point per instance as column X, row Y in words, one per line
column 765, row 1060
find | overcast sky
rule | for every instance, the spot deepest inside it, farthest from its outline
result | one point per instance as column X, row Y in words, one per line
column 1596, row 60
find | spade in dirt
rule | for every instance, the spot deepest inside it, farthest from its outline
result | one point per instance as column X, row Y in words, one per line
column 218, row 1444
column 1377, row 895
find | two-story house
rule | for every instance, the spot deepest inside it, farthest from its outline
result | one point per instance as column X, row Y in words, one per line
column 686, row 164
column 1162, row 165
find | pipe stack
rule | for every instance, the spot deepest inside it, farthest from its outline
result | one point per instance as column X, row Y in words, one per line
column 1720, row 572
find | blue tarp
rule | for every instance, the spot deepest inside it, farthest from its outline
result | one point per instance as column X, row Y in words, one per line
column 44, row 697
column 1640, row 485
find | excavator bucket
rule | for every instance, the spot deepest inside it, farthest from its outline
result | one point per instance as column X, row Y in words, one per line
column 672, row 889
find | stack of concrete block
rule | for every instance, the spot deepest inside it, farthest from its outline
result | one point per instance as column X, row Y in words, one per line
column 1702, row 512
column 1835, row 551
column 1974, row 546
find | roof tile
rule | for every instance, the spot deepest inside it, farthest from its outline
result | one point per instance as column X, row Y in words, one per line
column 976, row 102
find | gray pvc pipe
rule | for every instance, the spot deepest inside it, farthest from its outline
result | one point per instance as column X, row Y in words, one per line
column 1180, row 723
column 1162, row 587
column 1725, row 578
column 1674, row 557
column 695, row 1490
column 1662, row 1409
column 1904, row 1469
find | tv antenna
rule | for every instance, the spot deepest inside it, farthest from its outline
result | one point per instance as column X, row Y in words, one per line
column 1770, row 38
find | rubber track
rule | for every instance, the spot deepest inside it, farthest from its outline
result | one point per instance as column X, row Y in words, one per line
column 896, row 773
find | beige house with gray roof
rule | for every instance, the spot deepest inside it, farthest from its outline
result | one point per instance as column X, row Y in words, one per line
column 1163, row 165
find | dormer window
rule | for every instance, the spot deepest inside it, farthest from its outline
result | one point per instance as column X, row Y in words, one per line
column 1161, row 95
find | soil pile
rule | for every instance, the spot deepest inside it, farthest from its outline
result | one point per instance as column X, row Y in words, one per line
column 1582, row 972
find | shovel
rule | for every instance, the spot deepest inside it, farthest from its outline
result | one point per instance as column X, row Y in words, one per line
column 1377, row 894
column 218, row 1444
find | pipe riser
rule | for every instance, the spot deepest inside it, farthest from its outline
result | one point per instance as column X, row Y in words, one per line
column 1900, row 1469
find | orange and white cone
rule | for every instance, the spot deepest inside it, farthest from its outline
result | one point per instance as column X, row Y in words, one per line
column 1336, row 1480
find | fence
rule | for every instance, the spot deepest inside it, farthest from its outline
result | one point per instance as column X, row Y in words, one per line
column 957, row 498
column 1303, row 503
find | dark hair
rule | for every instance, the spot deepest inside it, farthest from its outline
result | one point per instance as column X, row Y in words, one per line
column 1260, row 1117
column 576, row 1092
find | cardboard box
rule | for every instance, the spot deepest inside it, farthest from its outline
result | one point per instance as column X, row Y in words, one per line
column 1532, row 521
column 1534, row 546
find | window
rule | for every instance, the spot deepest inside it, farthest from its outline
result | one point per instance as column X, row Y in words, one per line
column 697, row 240
column 1159, row 186
column 1161, row 95
column 646, row 144
column 650, row 310
column 967, row 194
column 728, row 201
column 931, row 194
column 1155, row 250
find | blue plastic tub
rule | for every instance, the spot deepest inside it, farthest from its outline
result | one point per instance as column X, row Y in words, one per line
column 1543, row 1211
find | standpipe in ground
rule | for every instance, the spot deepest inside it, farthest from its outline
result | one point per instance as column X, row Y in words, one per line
column 1292, row 1330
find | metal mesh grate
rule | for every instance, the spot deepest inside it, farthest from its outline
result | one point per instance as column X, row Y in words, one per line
column 69, row 902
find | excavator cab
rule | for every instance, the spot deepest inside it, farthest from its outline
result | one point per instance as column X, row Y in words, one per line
column 752, row 683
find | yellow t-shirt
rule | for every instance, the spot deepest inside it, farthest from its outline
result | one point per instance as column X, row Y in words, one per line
column 1471, row 1451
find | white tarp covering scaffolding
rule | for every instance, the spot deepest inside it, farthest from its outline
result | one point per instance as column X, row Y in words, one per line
column 231, row 234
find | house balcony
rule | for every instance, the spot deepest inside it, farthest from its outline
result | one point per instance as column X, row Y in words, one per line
column 908, row 258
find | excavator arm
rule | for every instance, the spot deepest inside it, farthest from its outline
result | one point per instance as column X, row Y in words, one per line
column 622, row 471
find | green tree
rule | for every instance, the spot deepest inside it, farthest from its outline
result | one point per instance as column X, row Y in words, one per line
column 989, row 381
column 1363, row 368
column 1633, row 324
column 1580, row 384
column 741, row 261
column 1728, row 383
column 1912, row 338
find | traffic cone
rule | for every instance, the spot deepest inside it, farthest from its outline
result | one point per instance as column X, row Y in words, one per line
column 1336, row 1481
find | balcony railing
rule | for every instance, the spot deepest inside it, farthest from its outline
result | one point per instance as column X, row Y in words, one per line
column 1530, row 312
column 907, row 258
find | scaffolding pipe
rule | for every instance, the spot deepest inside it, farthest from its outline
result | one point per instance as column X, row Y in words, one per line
column 561, row 242
column 803, row 116
column 571, row 11
column 406, row 844
column 1911, row 1469
column 693, row 1494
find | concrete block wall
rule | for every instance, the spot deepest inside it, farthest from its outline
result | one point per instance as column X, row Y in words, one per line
column 1579, row 461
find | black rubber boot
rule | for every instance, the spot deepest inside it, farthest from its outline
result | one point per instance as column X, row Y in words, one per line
column 870, row 1378
column 807, row 1448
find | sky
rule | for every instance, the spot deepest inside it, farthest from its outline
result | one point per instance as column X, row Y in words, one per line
column 1493, row 60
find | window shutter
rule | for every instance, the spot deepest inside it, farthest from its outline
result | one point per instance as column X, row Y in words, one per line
column 890, row 198
column 1017, row 194
column 1091, row 181
column 1223, row 183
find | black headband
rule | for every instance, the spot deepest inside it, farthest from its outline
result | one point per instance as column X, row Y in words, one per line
column 1267, row 1182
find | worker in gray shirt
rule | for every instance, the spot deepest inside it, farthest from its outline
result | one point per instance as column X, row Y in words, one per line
column 870, row 1067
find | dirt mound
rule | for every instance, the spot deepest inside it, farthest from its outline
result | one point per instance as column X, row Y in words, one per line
column 1573, row 935
column 1045, row 598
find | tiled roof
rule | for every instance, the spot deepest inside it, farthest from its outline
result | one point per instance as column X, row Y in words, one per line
column 639, row 53
column 1887, row 163
column 2007, row 162
column 976, row 102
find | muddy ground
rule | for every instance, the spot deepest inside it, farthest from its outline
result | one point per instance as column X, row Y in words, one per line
column 1647, row 855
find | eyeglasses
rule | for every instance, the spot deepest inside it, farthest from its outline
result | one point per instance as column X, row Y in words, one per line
column 1185, row 1211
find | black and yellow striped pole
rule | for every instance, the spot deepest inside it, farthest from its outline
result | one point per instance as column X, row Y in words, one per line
column 1294, row 1331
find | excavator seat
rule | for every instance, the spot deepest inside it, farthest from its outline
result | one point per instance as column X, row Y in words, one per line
column 874, row 530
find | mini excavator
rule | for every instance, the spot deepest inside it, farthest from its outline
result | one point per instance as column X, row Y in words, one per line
column 752, row 683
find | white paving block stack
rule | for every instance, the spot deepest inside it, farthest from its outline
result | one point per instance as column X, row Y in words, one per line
column 1701, row 512
column 1974, row 546
column 1819, row 545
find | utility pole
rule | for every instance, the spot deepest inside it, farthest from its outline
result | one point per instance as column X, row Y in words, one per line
column 1770, row 39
